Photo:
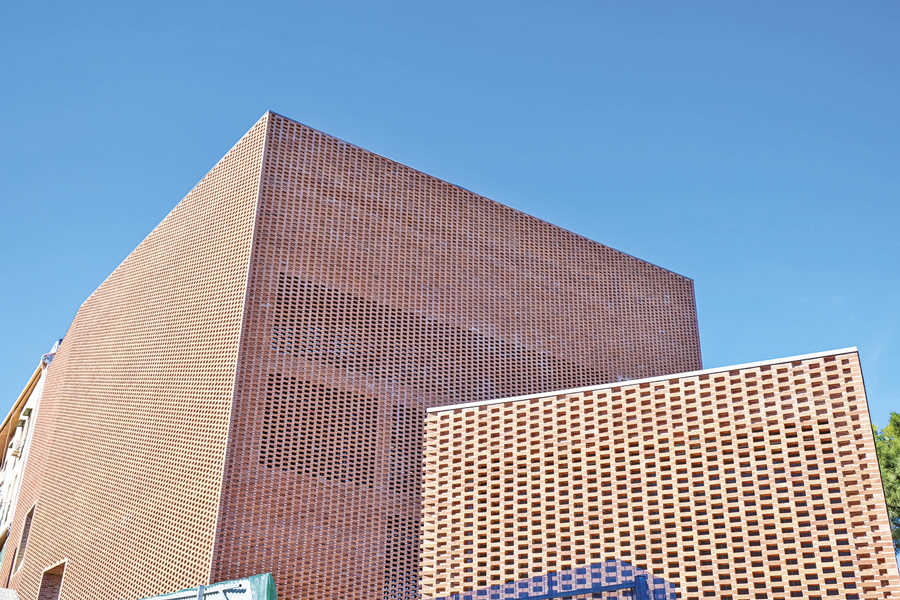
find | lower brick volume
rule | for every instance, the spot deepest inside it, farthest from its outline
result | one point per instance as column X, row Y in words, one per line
column 759, row 481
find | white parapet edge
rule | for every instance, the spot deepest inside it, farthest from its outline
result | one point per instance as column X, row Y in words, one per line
column 630, row 382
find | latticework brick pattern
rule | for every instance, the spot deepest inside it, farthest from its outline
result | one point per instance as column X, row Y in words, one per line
column 127, row 457
column 376, row 291
column 246, row 392
column 748, row 482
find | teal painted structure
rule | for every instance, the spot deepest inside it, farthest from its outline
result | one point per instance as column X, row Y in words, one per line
column 256, row 587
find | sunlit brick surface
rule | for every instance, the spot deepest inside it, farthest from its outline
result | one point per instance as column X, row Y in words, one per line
column 278, row 338
column 126, row 462
column 756, row 482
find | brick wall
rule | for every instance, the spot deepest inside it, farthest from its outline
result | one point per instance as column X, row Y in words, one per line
column 126, row 458
column 734, row 484
column 376, row 291
column 246, row 392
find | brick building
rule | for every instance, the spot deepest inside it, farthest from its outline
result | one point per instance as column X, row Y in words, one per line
column 246, row 391
column 737, row 483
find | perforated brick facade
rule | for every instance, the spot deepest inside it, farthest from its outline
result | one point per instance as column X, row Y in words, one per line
column 747, row 482
column 125, row 466
column 246, row 393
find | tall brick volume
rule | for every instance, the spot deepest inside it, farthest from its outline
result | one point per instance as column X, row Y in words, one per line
column 273, row 419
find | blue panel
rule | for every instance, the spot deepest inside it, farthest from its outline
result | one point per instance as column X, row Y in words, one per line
column 612, row 575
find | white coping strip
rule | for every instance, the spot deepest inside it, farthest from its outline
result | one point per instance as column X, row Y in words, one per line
column 629, row 382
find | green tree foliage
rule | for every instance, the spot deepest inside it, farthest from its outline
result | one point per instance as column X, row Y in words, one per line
column 887, row 442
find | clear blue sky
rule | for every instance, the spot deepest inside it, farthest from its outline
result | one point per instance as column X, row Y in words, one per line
column 752, row 146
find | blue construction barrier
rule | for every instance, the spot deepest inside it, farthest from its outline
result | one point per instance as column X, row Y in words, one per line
column 610, row 580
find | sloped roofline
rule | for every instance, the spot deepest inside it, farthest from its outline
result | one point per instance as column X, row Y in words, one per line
column 631, row 382
column 529, row 215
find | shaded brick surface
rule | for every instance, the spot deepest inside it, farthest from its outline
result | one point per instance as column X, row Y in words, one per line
column 735, row 484
column 126, row 459
column 376, row 291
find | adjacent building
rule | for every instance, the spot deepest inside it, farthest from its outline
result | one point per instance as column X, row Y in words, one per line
column 15, row 435
column 246, row 392
column 752, row 481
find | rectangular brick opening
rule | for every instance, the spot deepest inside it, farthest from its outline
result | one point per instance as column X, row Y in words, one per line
column 26, row 529
column 51, row 583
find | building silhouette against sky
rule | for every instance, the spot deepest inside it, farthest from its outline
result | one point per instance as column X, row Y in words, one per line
column 246, row 392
